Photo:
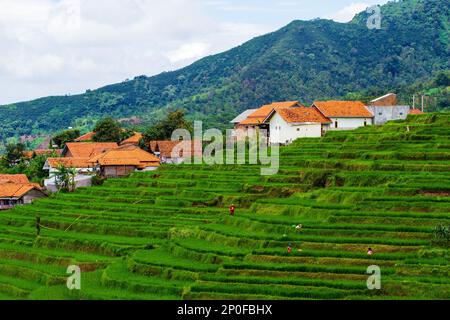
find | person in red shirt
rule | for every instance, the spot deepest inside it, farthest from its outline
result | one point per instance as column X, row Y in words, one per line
column 232, row 209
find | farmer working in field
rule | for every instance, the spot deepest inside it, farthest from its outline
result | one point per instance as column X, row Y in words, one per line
column 232, row 209
column 38, row 225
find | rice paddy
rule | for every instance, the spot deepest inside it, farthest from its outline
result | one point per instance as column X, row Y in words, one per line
column 169, row 235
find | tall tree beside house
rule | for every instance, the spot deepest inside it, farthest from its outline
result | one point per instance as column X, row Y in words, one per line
column 13, row 155
column 64, row 137
column 163, row 130
column 107, row 130
column 65, row 178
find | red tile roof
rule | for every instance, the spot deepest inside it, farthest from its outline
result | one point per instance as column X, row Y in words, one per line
column 15, row 190
column 14, row 178
column 85, row 137
column 89, row 149
column 126, row 155
column 69, row 162
column 133, row 140
column 302, row 115
column 187, row 148
column 415, row 111
column 343, row 109
column 262, row 113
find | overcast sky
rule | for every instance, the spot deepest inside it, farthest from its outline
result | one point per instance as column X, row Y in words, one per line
column 57, row 47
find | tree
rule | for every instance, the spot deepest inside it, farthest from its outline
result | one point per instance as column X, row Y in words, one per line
column 64, row 137
column 443, row 79
column 14, row 154
column 108, row 130
column 164, row 129
column 65, row 178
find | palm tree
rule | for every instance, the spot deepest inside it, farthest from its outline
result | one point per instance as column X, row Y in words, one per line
column 65, row 178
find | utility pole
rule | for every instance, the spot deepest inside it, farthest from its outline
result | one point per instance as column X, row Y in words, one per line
column 422, row 102
column 414, row 101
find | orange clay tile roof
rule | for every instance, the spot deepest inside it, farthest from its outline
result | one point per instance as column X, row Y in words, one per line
column 186, row 148
column 126, row 155
column 69, row 162
column 85, row 137
column 415, row 111
column 133, row 140
column 345, row 109
column 302, row 115
column 89, row 149
column 14, row 190
column 262, row 113
column 14, row 178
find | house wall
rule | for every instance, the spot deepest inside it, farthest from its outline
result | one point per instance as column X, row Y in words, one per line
column 116, row 171
column 285, row 133
column 31, row 195
column 349, row 123
column 81, row 180
column 389, row 113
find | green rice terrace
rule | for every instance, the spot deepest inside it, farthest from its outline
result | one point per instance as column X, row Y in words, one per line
column 169, row 235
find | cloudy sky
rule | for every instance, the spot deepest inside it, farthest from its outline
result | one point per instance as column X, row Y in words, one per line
column 57, row 47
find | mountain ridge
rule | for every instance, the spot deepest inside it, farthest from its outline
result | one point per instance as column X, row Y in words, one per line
column 304, row 60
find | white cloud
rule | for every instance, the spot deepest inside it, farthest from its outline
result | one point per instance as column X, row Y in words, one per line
column 346, row 14
column 188, row 51
column 52, row 47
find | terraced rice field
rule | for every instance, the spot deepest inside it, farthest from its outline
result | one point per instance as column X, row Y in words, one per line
column 168, row 234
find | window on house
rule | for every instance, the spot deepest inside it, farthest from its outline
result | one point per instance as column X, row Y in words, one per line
column 365, row 123
column 380, row 114
column 298, row 129
column 401, row 113
column 336, row 124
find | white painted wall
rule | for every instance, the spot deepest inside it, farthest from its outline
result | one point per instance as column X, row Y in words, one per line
column 349, row 123
column 285, row 133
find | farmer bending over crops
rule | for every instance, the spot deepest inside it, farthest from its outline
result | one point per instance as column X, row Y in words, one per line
column 289, row 249
column 299, row 227
column 370, row 251
column 232, row 209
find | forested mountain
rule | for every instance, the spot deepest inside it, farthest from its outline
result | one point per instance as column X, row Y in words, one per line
column 305, row 60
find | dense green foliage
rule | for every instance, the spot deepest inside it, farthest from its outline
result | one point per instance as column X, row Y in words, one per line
column 64, row 137
column 163, row 129
column 305, row 60
column 168, row 234
column 13, row 155
column 107, row 130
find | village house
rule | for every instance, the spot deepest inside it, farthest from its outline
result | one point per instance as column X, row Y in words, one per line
column 166, row 152
column 16, row 189
column 345, row 115
column 243, row 116
column 386, row 109
column 86, row 149
column 122, row 161
column 287, row 125
column 76, row 155
column 255, row 120
column 83, row 168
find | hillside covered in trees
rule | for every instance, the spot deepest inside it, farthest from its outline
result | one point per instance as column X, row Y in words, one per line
column 305, row 60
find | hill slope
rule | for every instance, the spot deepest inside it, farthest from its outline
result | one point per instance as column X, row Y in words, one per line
column 169, row 235
column 305, row 60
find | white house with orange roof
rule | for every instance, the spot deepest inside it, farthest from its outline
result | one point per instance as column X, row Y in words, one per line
column 16, row 189
column 287, row 125
column 345, row 115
